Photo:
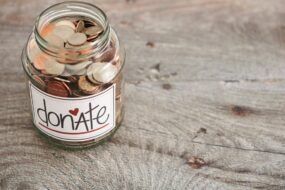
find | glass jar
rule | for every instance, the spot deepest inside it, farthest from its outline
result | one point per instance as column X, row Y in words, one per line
column 73, row 62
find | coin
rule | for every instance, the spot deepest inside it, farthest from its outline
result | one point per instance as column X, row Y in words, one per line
column 77, row 39
column 58, row 88
column 65, row 23
column 80, row 72
column 63, row 31
column 80, row 26
column 53, row 67
column 93, row 32
column 106, row 73
column 39, row 61
column 66, row 79
column 94, row 67
column 68, row 56
column 65, row 73
column 91, row 78
column 72, row 79
column 108, row 55
column 87, row 87
column 47, row 29
column 78, row 66
column 54, row 40
column 102, row 72
column 61, row 79
column 33, row 49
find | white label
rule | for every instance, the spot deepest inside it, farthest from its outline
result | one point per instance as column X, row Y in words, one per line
column 74, row 119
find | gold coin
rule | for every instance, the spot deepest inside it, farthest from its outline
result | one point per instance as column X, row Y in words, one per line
column 87, row 87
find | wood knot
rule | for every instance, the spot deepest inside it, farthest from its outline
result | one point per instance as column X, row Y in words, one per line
column 150, row 44
column 196, row 162
column 240, row 111
column 202, row 130
column 166, row 86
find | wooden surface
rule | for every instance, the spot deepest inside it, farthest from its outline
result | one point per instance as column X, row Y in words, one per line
column 212, row 86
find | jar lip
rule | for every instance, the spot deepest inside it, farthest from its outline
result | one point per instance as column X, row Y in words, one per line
column 97, row 11
column 69, row 3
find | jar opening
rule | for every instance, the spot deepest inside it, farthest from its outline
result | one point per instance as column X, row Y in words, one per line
column 73, row 10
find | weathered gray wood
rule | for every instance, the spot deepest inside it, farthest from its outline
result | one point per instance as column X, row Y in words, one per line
column 218, row 94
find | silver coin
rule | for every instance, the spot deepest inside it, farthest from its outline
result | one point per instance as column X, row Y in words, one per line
column 63, row 31
column 53, row 67
column 77, row 39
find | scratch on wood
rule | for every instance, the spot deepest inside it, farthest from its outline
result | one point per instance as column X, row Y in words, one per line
column 243, row 170
column 201, row 130
column 24, row 186
column 231, row 81
column 149, row 146
column 256, row 185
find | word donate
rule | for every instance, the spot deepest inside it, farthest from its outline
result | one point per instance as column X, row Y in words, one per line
column 73, row 119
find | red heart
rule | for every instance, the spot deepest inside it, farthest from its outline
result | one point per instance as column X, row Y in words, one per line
column 74, row 111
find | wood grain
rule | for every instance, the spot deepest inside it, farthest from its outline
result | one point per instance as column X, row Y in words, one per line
column 212, row 85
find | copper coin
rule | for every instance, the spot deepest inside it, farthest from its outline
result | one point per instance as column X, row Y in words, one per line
column 39, row 61
column 58, row 88
column 108, row 55
column 47, row 29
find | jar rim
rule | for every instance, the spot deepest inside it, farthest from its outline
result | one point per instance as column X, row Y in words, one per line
column 74, row 8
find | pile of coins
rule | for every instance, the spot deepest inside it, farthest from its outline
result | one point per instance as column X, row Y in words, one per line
column 69, row 78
